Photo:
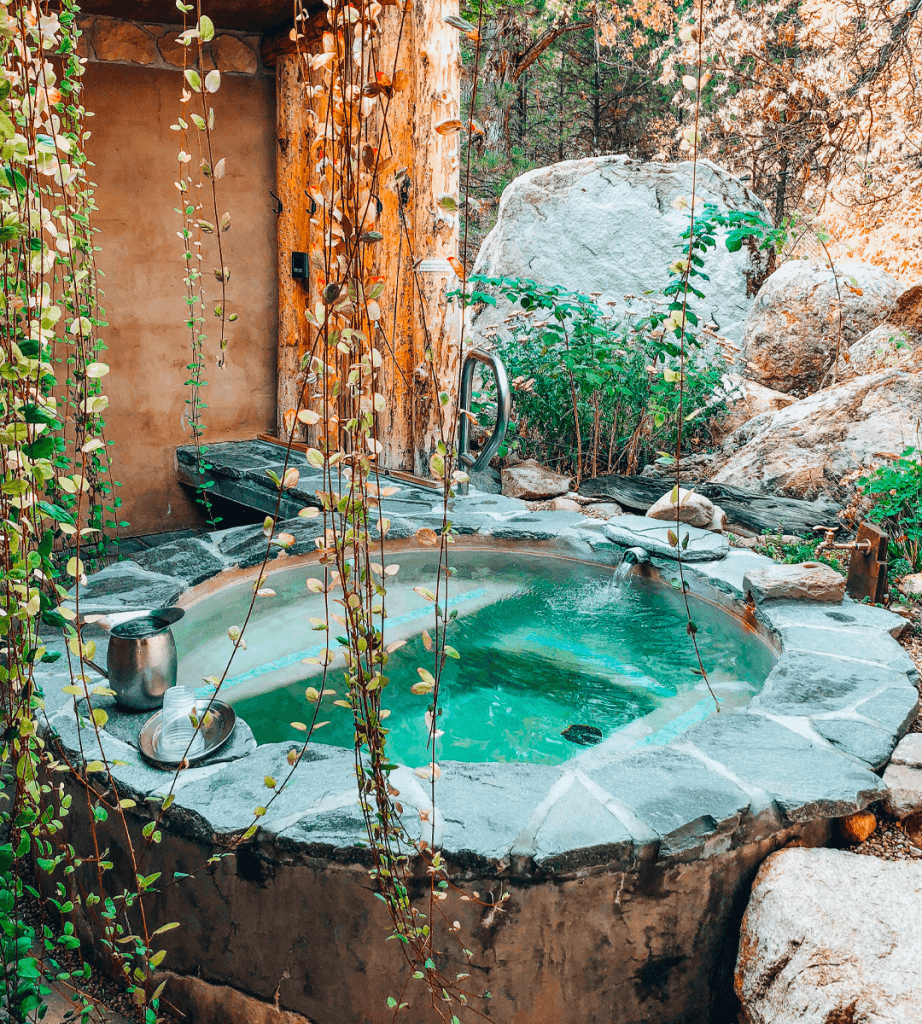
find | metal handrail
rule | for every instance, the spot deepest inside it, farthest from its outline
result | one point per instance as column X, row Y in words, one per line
column 503, row 410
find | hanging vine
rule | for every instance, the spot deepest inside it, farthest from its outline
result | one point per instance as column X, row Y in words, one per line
column 198, row 86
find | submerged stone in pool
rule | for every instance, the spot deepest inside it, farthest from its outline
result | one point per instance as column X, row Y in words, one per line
column 584, row 735
column 545, row 644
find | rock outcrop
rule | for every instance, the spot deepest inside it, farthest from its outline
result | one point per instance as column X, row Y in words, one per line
column 608, row 225
column 745, row 400
column 886, row 346
column 805, row 450
column 831, row 937
column 791, row 335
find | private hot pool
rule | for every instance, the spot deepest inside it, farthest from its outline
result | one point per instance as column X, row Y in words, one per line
column 625, row 860
column 555, row 654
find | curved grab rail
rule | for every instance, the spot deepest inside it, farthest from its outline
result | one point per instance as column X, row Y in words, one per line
column 503, row 409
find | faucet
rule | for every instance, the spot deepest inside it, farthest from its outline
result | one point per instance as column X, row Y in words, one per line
column 829, row 543
column 635, row 556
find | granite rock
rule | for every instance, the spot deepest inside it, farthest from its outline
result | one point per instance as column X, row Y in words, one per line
column 807, row 581
column 806, row 450
column 909, row 751
column 904, row 790
column 691, row 508
column 887, row 345
column 911, row 585
column 564, row 505
column 792, row 331
column 531, row 481
column 745, row 400
column 609, row 224
column 831, row 936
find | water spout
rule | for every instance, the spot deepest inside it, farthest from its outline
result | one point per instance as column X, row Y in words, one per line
column 636, row 556
column 632, row 557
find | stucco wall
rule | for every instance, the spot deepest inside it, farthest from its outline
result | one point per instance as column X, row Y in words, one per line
column 135, row 156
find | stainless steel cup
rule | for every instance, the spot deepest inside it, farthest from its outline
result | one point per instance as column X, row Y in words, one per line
column 142, row 661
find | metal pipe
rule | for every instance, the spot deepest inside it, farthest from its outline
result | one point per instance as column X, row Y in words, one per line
column 503, row 411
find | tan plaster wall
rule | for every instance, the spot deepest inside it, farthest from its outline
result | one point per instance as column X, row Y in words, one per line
column 135, row 156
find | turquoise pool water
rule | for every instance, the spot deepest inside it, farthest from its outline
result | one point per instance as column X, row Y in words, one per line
column 546, row 644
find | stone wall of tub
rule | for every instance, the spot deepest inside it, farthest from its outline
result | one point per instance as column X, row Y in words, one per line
column 627, row 876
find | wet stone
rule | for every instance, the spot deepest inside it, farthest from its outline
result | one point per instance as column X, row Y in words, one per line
column 841, row 641
column 462, row 523
column 333, row 832
column 191, row 560
column 847, row 615
column 487, row 807
column 246, row 546
column 869, row 743
column 237, row 459
column 811, row 684
column 676, row 794
column 399, row 529
column 579, row 830
column 486, row 503
column 805, row 780
column 895, row 709
column 125, row 586
column 536, row 526
column 653, row 536
column 228, row 798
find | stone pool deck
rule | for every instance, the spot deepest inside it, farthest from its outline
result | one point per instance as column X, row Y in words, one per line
column 680, row 827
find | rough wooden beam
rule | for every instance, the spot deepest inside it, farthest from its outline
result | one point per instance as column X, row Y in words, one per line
column 293, row 226
column 418, row 235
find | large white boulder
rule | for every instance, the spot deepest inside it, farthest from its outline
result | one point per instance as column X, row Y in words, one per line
column 805, row 450
column 792, row 331
column 831, row 937
column 608, row 224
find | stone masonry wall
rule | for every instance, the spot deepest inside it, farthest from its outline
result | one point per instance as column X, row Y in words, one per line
column 110, row 40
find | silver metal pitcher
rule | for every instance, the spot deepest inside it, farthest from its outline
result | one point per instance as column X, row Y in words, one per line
column 141, row 662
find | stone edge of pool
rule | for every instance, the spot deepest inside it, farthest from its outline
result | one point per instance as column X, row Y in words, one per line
column 840, row 696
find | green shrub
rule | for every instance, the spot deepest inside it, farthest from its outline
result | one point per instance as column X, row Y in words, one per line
column 592, row 394
column 895, row 491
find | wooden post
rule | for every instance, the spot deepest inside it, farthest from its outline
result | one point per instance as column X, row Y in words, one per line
column 293, row 227
column 418, row 234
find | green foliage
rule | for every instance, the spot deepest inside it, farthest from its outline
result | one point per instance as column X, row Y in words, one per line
column 592, row 393
column 895, row 490
column 802, row 549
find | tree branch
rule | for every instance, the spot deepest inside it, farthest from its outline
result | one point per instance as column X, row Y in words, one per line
column 523, row 61
column 886, row 52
